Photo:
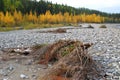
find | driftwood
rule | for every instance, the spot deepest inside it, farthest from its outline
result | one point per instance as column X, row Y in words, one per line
column 77, row 65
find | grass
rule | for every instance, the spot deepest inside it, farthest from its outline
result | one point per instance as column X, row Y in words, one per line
column 6, row 29
column 66, row 50
column 27, row 26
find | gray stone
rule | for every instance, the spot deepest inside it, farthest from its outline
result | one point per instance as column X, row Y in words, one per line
column 5, row 79
column 116, row 77
column 23, row 76
column 106, row 48
column 7, row 70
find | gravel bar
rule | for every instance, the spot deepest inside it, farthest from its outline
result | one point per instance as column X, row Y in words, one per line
column 106, row 48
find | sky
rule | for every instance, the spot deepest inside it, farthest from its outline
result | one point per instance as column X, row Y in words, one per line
column 109, row 6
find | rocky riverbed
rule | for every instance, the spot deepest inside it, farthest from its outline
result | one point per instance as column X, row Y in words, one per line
column 105, row 49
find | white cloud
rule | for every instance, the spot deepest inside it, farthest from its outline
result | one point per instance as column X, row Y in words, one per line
column 91, row 4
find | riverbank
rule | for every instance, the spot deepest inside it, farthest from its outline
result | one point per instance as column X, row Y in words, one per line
column 105, row 49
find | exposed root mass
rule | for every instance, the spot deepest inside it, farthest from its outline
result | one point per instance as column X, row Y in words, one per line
column 70, row 61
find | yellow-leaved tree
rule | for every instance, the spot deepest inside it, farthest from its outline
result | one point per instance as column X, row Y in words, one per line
column 18, row 17
column 48, row 16
column 60, row 17
column 32, row 17
column 1, row 18
column 8, row 19
column 45, row 18
column 83, row 18
column 41, row 18
column 66, row 17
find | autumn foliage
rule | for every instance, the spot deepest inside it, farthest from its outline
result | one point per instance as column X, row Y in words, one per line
column 17, row 18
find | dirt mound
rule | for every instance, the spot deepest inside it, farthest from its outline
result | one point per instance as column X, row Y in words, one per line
column 70, row 61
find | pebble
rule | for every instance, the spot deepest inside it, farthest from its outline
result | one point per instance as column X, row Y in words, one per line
column 49, row 65
column 5, row 71
column 34, row 76
column 23, row 76
column 105, row 49
column 5, row 79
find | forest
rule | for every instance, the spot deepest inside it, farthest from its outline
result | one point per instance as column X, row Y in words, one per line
column 20, row 12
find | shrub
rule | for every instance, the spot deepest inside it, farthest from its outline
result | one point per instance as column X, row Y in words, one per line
column 103, row 26
column 80, row 25
column 89, row 26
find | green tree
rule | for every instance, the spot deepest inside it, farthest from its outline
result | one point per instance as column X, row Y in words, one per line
column 12, row 5
column 1, row 5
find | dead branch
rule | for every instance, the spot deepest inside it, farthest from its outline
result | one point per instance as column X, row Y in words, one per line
column 77, row 65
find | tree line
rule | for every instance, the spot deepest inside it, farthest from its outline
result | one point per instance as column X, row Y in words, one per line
column 40, row 9
column 16, row 18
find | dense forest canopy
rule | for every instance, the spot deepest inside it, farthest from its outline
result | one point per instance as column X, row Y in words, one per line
column 38, row 11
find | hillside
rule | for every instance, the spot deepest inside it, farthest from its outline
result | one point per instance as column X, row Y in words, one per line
column 15, row 12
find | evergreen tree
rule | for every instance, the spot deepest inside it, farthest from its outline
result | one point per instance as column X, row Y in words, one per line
column 1, row 5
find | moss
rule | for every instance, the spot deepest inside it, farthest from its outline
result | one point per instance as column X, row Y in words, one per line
column 66, row 50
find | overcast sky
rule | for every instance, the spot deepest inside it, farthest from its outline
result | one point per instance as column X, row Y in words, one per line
column 111, row 6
